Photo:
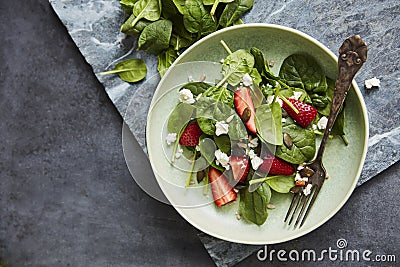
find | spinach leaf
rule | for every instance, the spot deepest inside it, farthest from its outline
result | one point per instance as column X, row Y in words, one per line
column 130, row 70
column 338, row 127
column 280, row 184
column 206, row 125
column 260, row 64
column 220, row 94
column 255, row 75
column 180, row 4
column 168, row 9
column 269, row 123
column 127, row 5
column 179, row 117
column 253, row 205
column 207, row 148
column 165, row 60
column 197, row 19
column 136, row 29
column 155, row 37
column 235, row 66
column 148, row 9
column 196, row 87
column 178, row 42
column 210, row 110
column 233, row 11
column 212, row 2
column 303, row 139
column 329, row 93
column 223, row 142
column 303, row 72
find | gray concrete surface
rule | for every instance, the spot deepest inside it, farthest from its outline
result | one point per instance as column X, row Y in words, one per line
column 62, row 203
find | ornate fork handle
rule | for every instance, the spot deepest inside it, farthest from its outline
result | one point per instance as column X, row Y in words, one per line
column 352, row 55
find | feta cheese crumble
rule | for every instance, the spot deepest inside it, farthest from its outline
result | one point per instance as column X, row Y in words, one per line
column 322, row 123
column 178, row 154
column 307, row 190
column 221, row 127
column 186, row 96
column 222, row 159
column 255, row 160
column 270, row 99
column 374, row 82
column 247, row 80
column 171, row 138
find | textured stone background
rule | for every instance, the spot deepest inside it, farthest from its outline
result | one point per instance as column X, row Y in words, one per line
column 66, row 196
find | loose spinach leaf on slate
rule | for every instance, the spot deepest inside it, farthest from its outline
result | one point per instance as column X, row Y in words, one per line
column 236, row 65
column 136, row 29
column 178, row 42
column 253, row 205
column 130, row 70
column 303, row 72
column 233, row 11
column 303, row 149
column 148, row 9
column 155, row 37
column 281, row 184
column 197, row 19
column 179, row 117
column 165, row 60
column 196, row 87
column 269, row 123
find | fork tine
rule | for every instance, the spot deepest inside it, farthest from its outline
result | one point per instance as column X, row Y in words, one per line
column 316, row 192
column 303, row 207
column 295, row 196
column 295, row 209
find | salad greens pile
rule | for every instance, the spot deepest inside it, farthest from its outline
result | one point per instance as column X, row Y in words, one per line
column 164, row 28
column 254, row 120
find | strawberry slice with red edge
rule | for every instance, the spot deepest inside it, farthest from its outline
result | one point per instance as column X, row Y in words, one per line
column 245, row 108
column 276, row 166
column 306, row 113
column 240, row 168
column 190, row 136
column 222, row 192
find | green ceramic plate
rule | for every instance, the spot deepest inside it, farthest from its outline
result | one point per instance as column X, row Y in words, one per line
column 343, row 163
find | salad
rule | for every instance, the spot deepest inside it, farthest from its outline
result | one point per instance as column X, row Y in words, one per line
column 254, row 129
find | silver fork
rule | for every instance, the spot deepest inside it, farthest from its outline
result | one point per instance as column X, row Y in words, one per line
column 352, row 55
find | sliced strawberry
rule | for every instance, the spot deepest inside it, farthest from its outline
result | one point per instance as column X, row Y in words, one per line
column 245, row 108
column 276, row 166
column 306, row 113
column 240, row 167
column 222, row 192
column 191, row 135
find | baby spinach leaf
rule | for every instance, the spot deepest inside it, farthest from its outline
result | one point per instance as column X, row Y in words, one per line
column 253, row 205
column 130, row 70
column 127, row 5
column 235, row 66
column 255, row 75
column 136, row 29
column 212, row 2
column 303, row 149
column 155, row 37
column 148, row 9
column 269, row 123
column 180, row 4
column 207, row 148
column 220, row 94
column 329, row 93
column 281, row 184
column 165, row 60
column 179, row 117
column 223, row 143
column 303, row 72
column 178, row 42
column 233, row 11
column 168, row 9
column 196, row 87
column 197, row 19
column 206, row 125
